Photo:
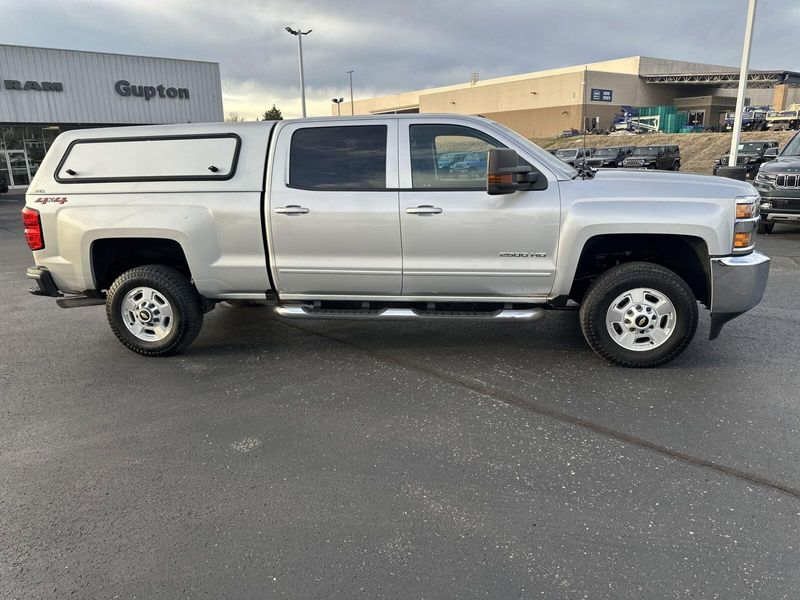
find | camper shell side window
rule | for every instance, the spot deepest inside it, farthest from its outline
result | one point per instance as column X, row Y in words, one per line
column 153, row 158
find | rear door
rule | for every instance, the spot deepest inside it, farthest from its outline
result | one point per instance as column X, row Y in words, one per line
column 333, row 213
column 457, row 239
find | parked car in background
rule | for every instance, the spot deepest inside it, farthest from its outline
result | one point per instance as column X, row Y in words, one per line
column 750, row 155
column 573, row 156
column 780, row 120
column 778, row 182
column 609, row 157
column 754, row 118
column 471, row 163
column 664, row 158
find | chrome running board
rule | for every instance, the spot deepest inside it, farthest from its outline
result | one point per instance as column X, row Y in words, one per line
column 304, row 311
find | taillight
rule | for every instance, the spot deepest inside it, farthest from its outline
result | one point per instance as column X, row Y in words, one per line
column 33, row 228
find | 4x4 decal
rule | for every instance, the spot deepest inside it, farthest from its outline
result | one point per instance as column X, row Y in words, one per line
column 47, row 199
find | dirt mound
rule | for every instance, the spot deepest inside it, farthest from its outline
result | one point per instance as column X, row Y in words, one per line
column 698, row 150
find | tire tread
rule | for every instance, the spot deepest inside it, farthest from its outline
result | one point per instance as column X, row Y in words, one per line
column 620, row 275
column 186, row 299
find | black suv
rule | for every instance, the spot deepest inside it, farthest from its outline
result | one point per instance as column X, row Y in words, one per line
column 609, row 157
column 778, row 182
column 749, row 156
column 666, row 158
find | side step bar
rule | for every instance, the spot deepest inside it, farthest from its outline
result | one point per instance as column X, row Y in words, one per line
column 302, row 311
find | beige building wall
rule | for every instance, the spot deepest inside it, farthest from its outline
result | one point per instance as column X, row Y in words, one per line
column 545, row 103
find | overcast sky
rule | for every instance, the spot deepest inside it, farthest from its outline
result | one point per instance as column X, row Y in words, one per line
column 400, row 45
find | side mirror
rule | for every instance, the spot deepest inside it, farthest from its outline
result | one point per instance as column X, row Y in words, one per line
column 770, row 153
column 502, row 173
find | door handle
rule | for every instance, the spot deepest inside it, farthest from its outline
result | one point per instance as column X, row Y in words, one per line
column 292, row 209
column 425, row 209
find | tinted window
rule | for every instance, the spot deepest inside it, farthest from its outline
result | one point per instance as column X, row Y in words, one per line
column 449, row 156
column 338, row 158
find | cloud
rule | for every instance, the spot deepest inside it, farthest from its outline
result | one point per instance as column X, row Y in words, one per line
column 400, row 45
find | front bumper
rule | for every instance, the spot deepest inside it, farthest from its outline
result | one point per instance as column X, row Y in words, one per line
column 751, row 168
column 779, row 205
column 737, row 285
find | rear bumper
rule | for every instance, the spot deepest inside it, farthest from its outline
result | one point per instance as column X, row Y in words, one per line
column 43, row 284
column 737, row 285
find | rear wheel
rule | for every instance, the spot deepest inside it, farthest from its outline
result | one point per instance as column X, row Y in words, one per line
column 154, row 310
column 639, row 315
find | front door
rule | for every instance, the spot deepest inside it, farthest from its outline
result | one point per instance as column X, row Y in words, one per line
column 333, row 209
column 457, row 239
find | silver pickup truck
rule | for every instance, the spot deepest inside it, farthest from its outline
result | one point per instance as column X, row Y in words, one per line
column 387, row 217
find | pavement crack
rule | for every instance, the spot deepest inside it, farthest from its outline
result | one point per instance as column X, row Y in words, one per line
column 559, row 415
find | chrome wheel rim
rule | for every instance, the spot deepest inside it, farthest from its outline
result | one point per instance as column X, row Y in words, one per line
column 641, row 319
column 147, row 314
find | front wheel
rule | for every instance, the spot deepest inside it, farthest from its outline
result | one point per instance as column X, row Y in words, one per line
column 639, row 315
column 154, row 310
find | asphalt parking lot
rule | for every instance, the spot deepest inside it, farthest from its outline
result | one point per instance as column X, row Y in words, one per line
column 338, row 459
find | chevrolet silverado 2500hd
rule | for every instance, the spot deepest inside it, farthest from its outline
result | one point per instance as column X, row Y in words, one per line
column 360, row 218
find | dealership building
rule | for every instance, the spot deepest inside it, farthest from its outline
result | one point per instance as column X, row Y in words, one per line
column 45, row 91
column 545, row 103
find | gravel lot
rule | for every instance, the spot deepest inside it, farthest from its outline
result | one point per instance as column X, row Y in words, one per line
column 337, row 459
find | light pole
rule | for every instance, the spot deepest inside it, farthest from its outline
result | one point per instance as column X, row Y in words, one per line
column 338, row 103
column 300, row 35
column 737, row 119
column 352, row 108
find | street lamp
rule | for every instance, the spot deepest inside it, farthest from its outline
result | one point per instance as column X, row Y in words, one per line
column 300, row 35
column 745, row 66
column 352, row 108
column 338, row 103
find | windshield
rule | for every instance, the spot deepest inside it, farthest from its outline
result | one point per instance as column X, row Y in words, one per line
column 567, row 153
column 606, row 152
column 793, row 147
column 545, row 158
column 646, row 151
column 751, row 147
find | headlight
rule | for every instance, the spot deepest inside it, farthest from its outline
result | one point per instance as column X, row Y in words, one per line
column 765, row 177
column 744, row 228
column 746, row 207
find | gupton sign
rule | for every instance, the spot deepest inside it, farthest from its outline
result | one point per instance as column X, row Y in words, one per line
column 124, row 88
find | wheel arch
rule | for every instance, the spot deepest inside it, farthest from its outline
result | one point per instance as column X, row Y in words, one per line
column 112, row 256
column 686, row 255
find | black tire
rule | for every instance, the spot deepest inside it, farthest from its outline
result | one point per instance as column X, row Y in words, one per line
column 187, row 313
column 676, row 166
column 616, row 281
column 765, row 227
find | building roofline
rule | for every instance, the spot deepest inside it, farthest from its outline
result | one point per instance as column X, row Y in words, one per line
column 207, row 62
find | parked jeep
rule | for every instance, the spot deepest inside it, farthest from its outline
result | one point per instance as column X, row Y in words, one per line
column 609, row 157
column 749, row 155
column 778, row 182
column 665, row 158
column 352, row 218
column 573, row 156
